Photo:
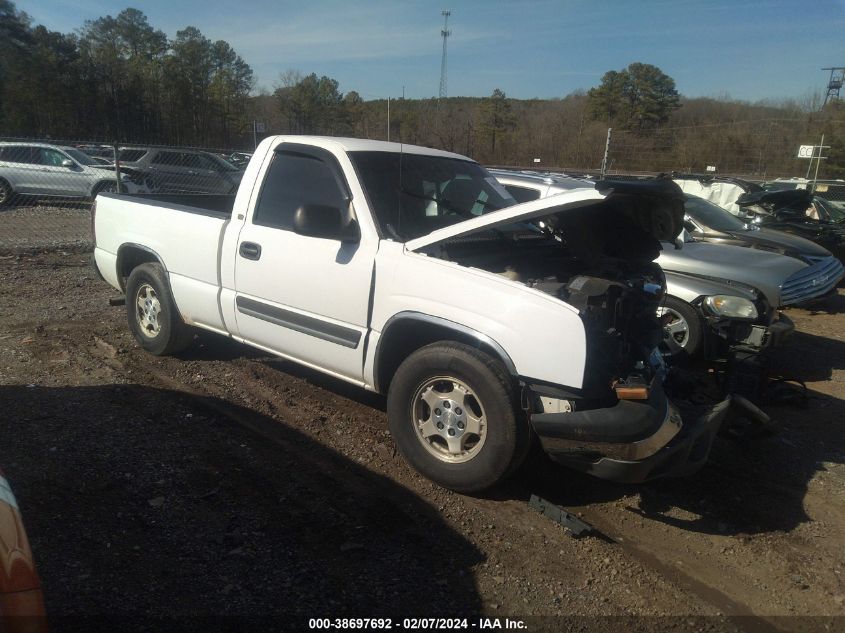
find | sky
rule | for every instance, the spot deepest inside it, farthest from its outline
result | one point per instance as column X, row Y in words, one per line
column 742, row 49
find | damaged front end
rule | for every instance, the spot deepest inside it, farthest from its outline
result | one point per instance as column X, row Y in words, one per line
column 622, row 425
column 598, row 257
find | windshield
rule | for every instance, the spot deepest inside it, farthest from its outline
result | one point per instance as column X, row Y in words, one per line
column 712, row 216
column 80, row 157
column 412, row 195
column 224, row 164
column 835, row 209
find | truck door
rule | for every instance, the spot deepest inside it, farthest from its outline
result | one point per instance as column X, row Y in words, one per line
column 305, row 298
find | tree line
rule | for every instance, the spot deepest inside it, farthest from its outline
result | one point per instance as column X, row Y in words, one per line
column 119, row 78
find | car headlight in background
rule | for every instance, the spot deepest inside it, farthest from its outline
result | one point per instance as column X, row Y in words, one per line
column 728, row 306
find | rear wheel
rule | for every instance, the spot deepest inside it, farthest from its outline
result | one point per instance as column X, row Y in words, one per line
column 453, row 416
column 152, row 314
column 110, row 186
column 5, row 193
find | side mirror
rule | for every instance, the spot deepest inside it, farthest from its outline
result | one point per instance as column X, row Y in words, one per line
column 318, row 220
column 67, row 163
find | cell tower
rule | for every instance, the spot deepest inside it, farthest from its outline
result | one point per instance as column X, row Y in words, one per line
column 445, row 33
column 837, row 77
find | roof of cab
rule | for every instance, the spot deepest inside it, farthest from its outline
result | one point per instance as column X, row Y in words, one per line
column 367, row 145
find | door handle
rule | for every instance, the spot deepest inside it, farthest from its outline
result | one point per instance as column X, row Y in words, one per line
column 250, row 250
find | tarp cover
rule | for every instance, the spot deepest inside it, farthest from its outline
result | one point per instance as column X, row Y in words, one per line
column 722, row 193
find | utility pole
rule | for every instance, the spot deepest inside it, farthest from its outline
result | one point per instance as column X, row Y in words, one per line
column 837, row 78
column 445, row 33
column 606, row 152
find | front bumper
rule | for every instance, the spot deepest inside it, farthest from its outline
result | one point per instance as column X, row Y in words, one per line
column 632, row 441
column 724, row 335
column 761, row 336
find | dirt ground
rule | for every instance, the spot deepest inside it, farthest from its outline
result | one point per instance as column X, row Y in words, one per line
column 225, row 483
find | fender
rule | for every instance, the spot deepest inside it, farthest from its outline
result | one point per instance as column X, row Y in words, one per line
column 123, row 254
column 441, row 326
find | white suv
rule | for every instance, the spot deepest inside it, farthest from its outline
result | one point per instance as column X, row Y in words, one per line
column 51, row 170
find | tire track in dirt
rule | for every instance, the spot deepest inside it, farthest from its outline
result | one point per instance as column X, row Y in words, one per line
column 305, row 399
column 258, row 371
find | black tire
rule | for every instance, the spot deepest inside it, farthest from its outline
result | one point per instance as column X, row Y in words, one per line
column 694, row 338
column 153, row 318
column 6, row 193
column 109, row 186
column 489, row 390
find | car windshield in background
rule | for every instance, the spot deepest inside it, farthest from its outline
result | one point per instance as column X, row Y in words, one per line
column 79, row 156
column 412, row 195
column 224, row 165
column 712, row 216
column 834, row 208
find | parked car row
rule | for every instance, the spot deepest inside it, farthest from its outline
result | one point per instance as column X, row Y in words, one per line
column 787, row 206
column 726, row 279
column 45, row 170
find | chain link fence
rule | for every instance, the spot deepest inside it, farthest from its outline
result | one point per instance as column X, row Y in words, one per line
column 763, row 152
column 47, row 186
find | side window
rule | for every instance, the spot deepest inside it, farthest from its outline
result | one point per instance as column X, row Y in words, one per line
column 18, row 154
column 294, row 180
column 50, row 157
column 192, row 161
column 131, row 155
column 523, row 194
column 171, row 159
column 200, row 161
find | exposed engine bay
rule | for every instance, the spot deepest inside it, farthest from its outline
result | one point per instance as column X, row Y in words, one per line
column 599, row 265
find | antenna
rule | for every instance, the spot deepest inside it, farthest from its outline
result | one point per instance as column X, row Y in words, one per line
column 837, row 77
column 445, row 33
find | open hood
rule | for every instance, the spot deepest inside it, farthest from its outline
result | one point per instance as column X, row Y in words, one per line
column 655, row 206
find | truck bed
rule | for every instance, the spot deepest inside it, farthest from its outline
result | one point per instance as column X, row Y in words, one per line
column 184, row 232
column 215, row 205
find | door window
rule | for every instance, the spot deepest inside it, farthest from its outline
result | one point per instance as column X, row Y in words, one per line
column 50, row 157
column 171, row 159
column 18, row 154
column 292, row 181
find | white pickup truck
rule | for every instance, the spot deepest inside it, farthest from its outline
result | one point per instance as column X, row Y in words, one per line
column 412, row 272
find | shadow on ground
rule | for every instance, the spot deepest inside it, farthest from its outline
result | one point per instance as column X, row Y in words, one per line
column 145, row 503
column 749, row 486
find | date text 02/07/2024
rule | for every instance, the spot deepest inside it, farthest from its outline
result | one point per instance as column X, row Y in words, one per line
column 415, row 624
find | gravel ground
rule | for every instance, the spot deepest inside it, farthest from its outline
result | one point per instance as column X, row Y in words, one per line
column 225, row 484
column 30, row 229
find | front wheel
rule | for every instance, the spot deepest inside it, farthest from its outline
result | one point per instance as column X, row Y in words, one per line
column 453, row 416
column 153, row 318
column 682, row 325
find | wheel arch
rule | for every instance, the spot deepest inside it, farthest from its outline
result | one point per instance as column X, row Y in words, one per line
column 95, row 188
column 10, row 189
column 130, row 256
column 406, row 332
